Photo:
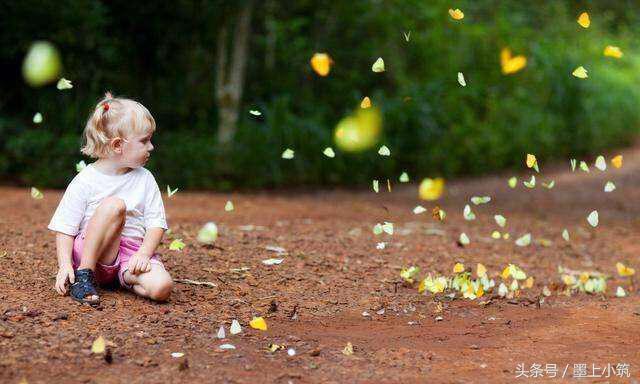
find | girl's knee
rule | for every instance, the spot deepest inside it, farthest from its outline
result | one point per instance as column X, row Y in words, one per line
column 161, row 289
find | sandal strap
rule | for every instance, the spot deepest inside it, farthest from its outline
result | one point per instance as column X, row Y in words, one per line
column 84, row 284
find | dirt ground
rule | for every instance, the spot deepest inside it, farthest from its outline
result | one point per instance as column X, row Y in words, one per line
column 332, row 273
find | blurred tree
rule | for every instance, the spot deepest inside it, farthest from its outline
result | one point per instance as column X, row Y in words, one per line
column 230, row 75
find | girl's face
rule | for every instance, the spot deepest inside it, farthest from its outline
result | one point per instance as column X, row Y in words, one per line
column 136, row 150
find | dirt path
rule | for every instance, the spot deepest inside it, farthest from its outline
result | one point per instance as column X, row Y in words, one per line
column 331, row 274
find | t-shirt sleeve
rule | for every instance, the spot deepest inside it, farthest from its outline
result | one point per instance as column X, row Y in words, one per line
column 154, row 215
column 70, row 212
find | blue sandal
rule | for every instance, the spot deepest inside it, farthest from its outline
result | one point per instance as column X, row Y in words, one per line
column 84, row 287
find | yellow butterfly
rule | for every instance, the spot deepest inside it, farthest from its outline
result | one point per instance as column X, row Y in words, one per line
column 258, row 323
column 623, row 270
column 321, row 63
column 431, row 189
column 511, row 64
column 98, row 346
column 584, row 20
column 612, row 51
column 617, row 161
column 481, row 270
column 459, row 267
column 456, row 14
column 532, row 162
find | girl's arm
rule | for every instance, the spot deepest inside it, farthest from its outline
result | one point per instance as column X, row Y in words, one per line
column 152, row 239
column 64, row 246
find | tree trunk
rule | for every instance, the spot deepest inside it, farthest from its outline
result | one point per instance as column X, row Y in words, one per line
column 230, row 78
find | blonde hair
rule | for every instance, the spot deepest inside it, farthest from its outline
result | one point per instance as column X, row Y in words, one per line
column 114, row 117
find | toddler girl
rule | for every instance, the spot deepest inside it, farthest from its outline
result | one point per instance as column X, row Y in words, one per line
column 111, row 218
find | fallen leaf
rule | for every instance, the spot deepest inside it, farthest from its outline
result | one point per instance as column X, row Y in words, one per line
column 500, row 220
column 601, row 164
column 255, row 112
column 221, row 333
column 376, row 187
column 176, row 355
column 37, row 118
column 565, row 234
column 458, row 268
column 228, row 207
column 365, row 103
column 404, row 177
column 513, row 181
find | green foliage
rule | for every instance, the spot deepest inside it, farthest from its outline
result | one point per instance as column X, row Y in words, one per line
column 163, row 55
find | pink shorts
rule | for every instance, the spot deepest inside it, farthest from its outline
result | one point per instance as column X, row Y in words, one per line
column 106, row 274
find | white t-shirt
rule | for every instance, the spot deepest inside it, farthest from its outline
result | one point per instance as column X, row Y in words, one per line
column 138, row 189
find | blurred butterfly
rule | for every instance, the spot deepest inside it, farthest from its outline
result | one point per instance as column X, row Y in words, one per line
column 170, row 192
column 511, row 64
column 36, row 194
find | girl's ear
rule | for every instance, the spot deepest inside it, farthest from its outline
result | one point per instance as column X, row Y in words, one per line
column 116, row 145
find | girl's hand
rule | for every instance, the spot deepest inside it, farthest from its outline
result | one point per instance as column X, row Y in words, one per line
column 139, row 263
column 65, row 273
